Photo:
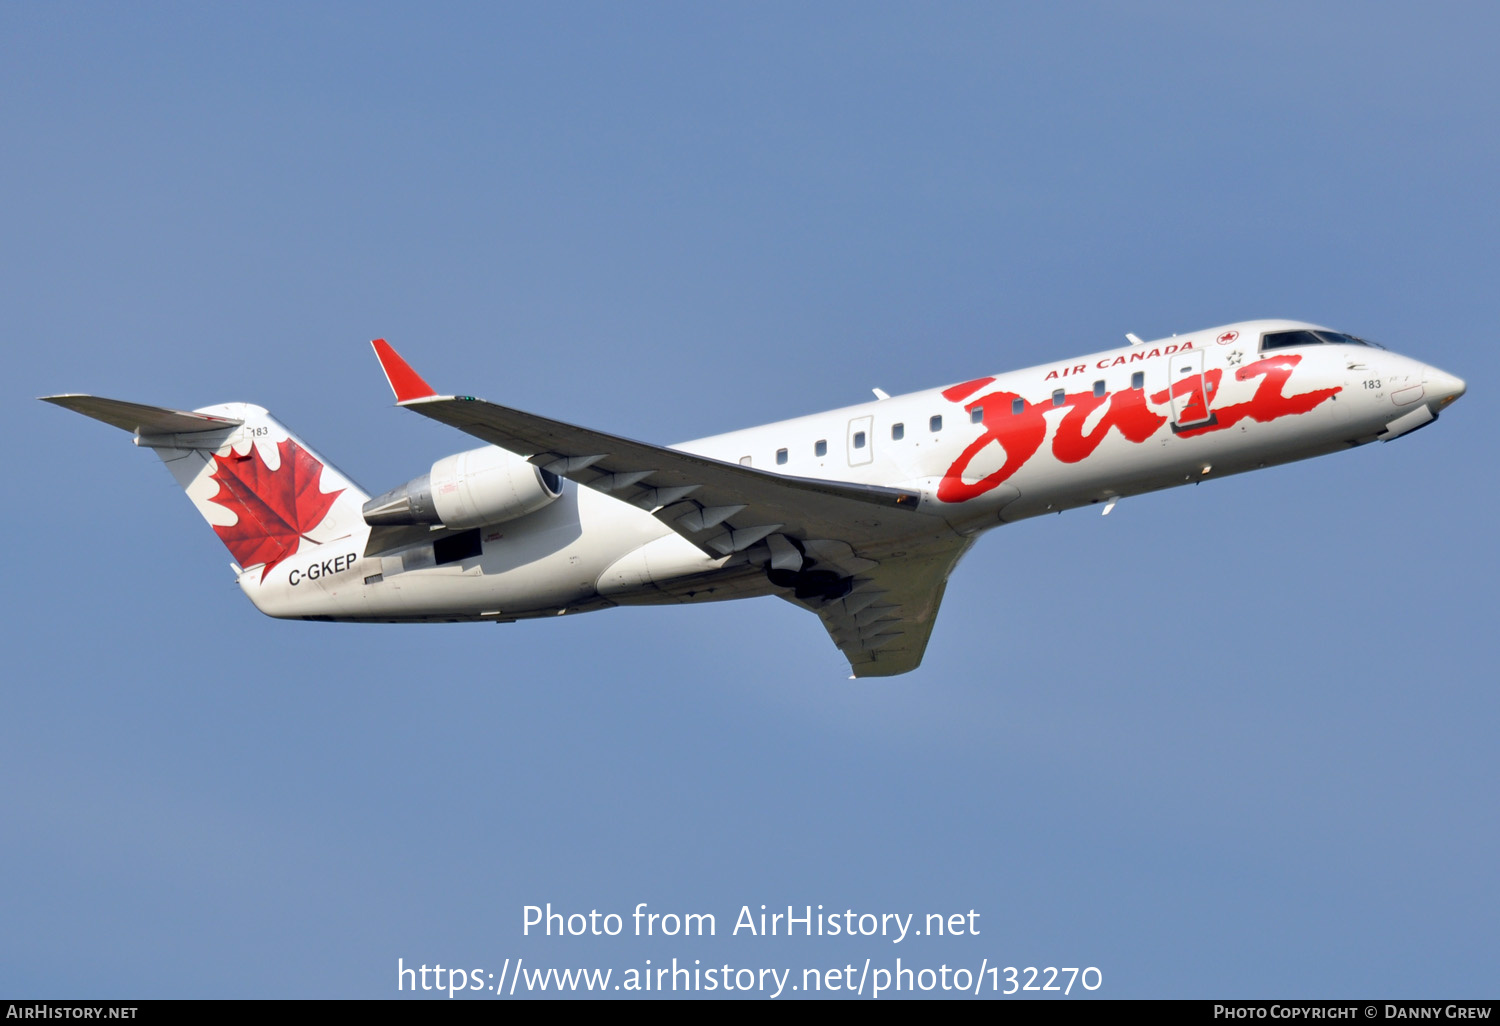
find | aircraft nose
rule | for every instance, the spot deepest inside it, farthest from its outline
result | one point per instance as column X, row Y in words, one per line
column 1442, row 387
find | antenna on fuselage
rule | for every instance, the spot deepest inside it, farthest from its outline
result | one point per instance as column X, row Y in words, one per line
column 879, row 393
column 1134, row 340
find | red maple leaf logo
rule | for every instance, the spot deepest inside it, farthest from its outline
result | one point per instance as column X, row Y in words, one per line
column 275, row 508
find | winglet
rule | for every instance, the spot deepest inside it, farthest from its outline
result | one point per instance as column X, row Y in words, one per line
column 405, row 382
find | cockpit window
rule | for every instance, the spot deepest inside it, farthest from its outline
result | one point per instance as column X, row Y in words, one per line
column 1287, row 339
column 1339, row 338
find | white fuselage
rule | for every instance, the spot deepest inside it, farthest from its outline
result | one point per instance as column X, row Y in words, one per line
column 981, row 453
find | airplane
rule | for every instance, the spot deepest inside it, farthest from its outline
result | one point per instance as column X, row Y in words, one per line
column 858, row 514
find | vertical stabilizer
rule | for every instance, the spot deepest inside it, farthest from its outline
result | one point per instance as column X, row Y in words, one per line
column 266, row 495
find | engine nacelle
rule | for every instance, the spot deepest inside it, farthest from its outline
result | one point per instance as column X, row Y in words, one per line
column 467, row 489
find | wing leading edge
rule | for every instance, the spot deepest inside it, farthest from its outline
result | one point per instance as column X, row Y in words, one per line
column 863, row 557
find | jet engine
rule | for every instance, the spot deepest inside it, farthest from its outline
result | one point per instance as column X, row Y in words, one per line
column 468, row 489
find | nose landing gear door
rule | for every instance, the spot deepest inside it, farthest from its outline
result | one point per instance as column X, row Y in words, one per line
column 1190, row 398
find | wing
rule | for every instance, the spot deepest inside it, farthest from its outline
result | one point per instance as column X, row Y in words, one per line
column 882, row 624
column 826, row 542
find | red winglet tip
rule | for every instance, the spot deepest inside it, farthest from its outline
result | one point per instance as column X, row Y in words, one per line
column 405, row 382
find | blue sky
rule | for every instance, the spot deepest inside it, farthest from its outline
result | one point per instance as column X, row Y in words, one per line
column 1233, row 741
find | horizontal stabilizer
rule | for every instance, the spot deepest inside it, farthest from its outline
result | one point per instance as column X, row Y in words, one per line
column 139, row 418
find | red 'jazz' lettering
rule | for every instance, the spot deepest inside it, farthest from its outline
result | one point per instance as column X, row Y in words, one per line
column 1021, row 434
column 1268, row 403
column 1127, row 412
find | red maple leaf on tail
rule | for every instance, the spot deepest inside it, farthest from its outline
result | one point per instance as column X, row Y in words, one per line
column 275, row 508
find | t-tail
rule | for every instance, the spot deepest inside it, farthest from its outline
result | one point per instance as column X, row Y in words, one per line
column 290, row 519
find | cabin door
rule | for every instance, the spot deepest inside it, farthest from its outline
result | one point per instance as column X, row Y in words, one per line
column 861, row 440
column 1191, row 401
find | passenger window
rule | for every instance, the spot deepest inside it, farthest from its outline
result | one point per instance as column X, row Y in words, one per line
column 1018, row 406
column 820, row 447
column 935, row 424
column 859, row 439
column 1138, row 380
column 1098, row 388
column 1059, row 397
column 976, row 415
column 780, row 456
column 898, row 432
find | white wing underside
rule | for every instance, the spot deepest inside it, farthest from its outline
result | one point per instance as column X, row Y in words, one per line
column 883, row 624
column 863, row 557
